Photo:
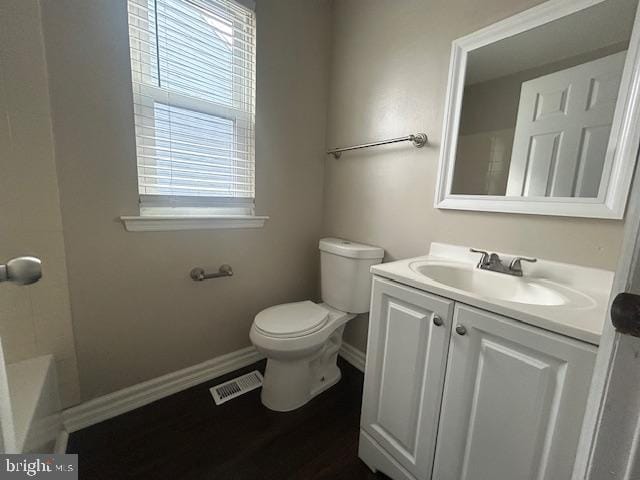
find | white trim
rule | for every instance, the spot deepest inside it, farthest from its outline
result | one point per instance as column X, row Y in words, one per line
column 116, row 403
column 165, row 223
column 621, row 150
column 610, row 430
column 355, row 357
column 61, row 442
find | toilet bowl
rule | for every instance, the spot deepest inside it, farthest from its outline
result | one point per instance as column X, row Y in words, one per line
column 301, row 364
column 301, row 340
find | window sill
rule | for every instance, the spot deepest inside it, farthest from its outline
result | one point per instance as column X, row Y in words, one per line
column 166, row 223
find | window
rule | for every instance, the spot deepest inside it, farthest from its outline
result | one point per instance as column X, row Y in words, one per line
column 193, row 72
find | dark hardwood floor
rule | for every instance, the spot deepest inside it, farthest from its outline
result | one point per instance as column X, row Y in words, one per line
column 186, row 436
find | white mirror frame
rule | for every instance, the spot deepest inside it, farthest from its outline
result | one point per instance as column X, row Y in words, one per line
column 623, row 143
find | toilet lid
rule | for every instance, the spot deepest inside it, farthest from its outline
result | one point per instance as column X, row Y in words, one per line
column 291, row 319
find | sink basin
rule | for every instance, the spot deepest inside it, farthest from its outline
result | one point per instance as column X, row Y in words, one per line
column 499, row 286
column 567, row 299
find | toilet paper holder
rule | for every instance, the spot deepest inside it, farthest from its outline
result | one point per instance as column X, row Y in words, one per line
column 198, row 274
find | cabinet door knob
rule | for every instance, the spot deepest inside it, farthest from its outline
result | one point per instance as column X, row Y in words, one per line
column 461, row 330
column 437, row 320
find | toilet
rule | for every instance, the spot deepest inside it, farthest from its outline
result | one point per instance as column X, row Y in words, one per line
column 301, row 339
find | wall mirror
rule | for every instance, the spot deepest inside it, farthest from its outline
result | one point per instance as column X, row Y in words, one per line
column 542, row 113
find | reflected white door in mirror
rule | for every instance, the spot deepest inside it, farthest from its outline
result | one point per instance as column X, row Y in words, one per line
column 542, row 112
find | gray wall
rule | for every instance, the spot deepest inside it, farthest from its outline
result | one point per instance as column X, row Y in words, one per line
column 389, row 72
column 137, row 314
column 34, row 320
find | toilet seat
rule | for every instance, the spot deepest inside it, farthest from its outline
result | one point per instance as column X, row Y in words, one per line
column 291, row 320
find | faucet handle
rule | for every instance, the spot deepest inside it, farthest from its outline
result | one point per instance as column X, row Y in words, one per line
column 516, row 265
column 484, row 259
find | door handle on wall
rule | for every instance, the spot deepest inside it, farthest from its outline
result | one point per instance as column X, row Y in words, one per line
column 21, row 270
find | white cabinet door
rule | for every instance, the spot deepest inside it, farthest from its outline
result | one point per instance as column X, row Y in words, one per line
column 562, row 130
column 513, row 401
column 404, row 375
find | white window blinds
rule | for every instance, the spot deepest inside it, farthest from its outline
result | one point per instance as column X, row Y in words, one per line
column 193, row 72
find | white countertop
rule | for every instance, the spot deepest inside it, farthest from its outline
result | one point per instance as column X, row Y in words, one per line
column 582, row 317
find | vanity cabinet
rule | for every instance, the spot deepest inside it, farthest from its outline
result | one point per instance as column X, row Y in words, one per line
column 478, row 397
column 513, row 402
column 406, row 357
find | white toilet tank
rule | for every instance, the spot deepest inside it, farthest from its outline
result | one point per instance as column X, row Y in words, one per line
column 344, row 272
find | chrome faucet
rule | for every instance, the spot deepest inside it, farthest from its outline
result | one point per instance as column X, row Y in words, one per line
column 493, row 263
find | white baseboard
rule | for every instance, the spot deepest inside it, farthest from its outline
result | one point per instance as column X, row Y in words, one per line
column 351, row 354
column 123, row 401
column 116, row 403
